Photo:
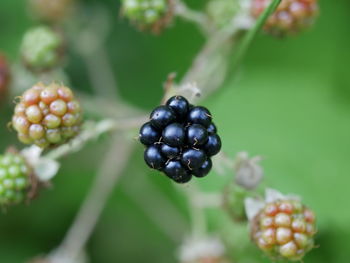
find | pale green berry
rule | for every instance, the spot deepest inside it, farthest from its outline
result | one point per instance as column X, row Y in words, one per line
column 36, row 131
column 34, row 114
column 14, row 171
column 41, row 48
column 58, row 107
column 53, row 135
column 51, row 121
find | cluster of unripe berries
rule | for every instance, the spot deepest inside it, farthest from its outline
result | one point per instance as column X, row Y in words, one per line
column 146, row 13
column 14, row 179
column 42, row 48
column 290, row 17
column 47, row 115
column 284, row 229
column 180, row 140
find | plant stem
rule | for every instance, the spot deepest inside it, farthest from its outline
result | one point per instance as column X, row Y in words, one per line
column 183, row 11
column 252, row 33
column 114, row 163
column 197, row 213
column 92, row 131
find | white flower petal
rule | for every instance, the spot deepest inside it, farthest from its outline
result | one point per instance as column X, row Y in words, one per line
column 253, row 207
column 46, row 169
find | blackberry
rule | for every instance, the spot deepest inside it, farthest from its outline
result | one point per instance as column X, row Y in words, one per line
column 149, row 134
column 204, row 169
column 174, row 134
column 179, row 105
column 14, row 179
column 162, row 116
column 290, row 17
column 212, row 128
column 180, row 139
column 176, row 171
column 193, row 159
column 169, row 151
column 47, row 115
column 213, row 145
column 196, row 135
column 154, row 158
column 199, row 115
column 284, row 229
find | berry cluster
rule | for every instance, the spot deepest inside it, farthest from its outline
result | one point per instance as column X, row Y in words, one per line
column 4, row 76
column 41, row 48
column 284, row 229
column 291, row 16
column 52, row 11
column 180, row 140
column 47, row 115
column 152, row 14
column 14, row 179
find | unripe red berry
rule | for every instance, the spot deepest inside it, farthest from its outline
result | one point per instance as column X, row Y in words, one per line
column 4, row 76
column 47, row 115
column 50, row 10
column 284, row 230
column 290, row 17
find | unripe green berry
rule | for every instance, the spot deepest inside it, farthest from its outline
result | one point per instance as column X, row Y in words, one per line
column 284, row 230
column 14, row 179
column 148, row 14
column 41, row 48
column 47, row 115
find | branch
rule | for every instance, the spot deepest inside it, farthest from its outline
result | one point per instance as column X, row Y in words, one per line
column 92, row 131
column 80, row 231
column 183, row 11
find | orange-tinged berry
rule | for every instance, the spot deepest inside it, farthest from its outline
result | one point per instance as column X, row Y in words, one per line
column 282, row 220
column 283, row 235
column 290, row 17
column 284, row 229
column 47, row 115
column 288, row 250
column 58, row 107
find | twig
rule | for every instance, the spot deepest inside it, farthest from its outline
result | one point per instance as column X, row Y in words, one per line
column 183, row 11
column 80, row 231
column 92, row 131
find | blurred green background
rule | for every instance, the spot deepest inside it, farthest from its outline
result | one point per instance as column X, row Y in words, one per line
column 290, row 103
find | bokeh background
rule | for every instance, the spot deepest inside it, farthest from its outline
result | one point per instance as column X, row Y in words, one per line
column 289, row 103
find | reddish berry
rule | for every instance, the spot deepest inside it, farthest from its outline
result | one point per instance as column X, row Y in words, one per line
column 52, row 11
column 284, row 229
column 291, row 16
column 4, row 76
column 47, row 115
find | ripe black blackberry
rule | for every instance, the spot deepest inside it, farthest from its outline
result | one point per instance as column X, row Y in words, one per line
column 180, row 140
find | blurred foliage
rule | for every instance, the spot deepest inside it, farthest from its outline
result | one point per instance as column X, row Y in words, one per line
column 289, row 103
